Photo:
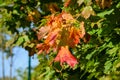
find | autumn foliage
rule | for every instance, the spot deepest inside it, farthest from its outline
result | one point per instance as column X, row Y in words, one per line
column 73, row 39
column 59, row 34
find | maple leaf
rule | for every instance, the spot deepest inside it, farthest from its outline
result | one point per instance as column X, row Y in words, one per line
column 80, row 2
column 67, row 16
column 76, row 34
column 87, row 11
column 64, row 55
column 52, row 36
column 82, row 30
column 42, row 32
column 74, row 37
column 43, row 47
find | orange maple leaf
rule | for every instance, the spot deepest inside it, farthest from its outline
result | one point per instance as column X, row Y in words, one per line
column 42, row 32
column 74, row 37
column 43, row 48
column 52, row 37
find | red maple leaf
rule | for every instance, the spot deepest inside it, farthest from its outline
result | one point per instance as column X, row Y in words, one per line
column 64, row 55
column 51, row 38
column 43, row 48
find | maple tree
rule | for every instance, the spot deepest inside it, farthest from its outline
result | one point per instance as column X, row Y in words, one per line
column 74, row 39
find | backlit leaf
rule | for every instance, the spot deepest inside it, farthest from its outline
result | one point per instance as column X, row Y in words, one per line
column 64, row 55
column 80, row 2
column 87, row 12
column 19, row 41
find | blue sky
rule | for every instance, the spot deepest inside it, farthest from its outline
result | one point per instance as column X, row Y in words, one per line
column 20, row 61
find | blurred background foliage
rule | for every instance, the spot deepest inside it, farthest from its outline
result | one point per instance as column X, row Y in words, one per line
column 99, row 59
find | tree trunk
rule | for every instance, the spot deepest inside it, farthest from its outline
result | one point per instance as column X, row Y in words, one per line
column 11, row 63
column 29, row 68
column 3, row 60
column 3, row 67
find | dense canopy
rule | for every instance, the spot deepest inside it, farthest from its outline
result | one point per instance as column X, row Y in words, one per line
column 74, row 39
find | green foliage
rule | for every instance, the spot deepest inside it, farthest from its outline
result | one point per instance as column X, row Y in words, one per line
column 98, row 59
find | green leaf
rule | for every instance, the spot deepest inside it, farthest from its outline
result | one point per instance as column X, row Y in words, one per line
column 88, row 2
column 118, row 5
column 19, row 41
column 106, row 12
column 90, row 65
column 99, row 32
column 26, row 38
column 91, row 54
column 31, row 45
column 113, row 50
column 15, row 12
column 117, row 30
column 43, row 22
column 107, row 67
